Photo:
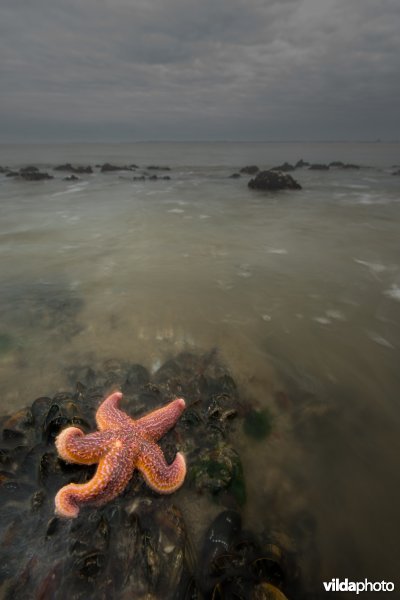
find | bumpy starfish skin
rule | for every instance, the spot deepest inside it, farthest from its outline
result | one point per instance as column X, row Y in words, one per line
column 121, row 445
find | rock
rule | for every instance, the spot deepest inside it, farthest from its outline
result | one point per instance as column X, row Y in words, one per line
column 284, row 168
column 139, row 178
column 71, row 178
column 396, row 172
column 70, row 169
column 341, row 165
column 273, row 180
column 301, row 163
column 29, row 169
column 250, row 170
column 108, row 167
column 157, row 168
column 235, row 176
column 34, row 176
column 319, row 167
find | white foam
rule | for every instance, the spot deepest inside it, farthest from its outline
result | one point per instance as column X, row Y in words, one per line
column 378, row 339
column 277, row 251
column 335, row 314
column 374, row 267
column 176, row 210
column 393, row 292
column 322, row 320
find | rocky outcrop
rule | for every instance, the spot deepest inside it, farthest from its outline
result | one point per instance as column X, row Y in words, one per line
column 34, row 176
column 341, row 165
column 319, row 167
column 273, row 180
column 250, row 170
column 71, row 178
column 152, row 178
column 108, row 167
column 285, row 167
column 157, row 168
column 71, row 169
column 235, row 176
column 29, row 174
column 301, row 163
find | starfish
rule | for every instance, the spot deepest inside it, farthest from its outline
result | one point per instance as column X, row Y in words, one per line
column 121, row 445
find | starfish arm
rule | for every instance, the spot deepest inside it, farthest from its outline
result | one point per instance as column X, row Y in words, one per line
column 113, row 473
column 157, row 423
column 74, row 446
column 160, row 476
column 108, row 416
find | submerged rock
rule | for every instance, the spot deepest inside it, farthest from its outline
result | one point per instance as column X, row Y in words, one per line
column 71, row 178
column 157, row 168
column 71, row 169
column 273, row 180
column 285, row 167
column 301, row 163
column 138, row 545
column 108, row 167
column 250, row 170
column 29, row 174
column 319, row 167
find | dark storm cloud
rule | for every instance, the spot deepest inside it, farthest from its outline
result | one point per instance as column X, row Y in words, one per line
column 233, row 69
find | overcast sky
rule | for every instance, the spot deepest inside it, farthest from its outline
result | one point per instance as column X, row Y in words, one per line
column 199, row 69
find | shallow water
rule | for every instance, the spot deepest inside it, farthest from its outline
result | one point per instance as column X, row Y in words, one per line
column 299, row 292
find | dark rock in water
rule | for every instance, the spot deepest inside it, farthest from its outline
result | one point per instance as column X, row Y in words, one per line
column 250, row 170
column 28, row 174
column 341, row 165
column 29, row 169
column 273, row 180
column 233, row 559
column 235, row 176
column 157, row 168
column 4, row 169
column 34, row 176
column 396, row 172
column 319, row 167
column 139, row 178
column 285, row 168
column 138, row 545
column 71, row 169
column 350, row 166
column 107, row 168
column 71, row 178
column 301, row 163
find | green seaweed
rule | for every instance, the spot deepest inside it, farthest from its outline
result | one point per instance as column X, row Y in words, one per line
column 258, row 424
column 6, row 343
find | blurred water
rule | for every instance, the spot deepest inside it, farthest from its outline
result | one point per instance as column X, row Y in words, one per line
column 299, row 291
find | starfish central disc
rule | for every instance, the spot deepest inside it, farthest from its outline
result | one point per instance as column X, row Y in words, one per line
column 121, row 445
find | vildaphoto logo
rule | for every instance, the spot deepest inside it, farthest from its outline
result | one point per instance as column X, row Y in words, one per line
column 344, row 585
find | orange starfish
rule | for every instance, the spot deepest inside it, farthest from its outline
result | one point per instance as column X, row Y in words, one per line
column 121, row 445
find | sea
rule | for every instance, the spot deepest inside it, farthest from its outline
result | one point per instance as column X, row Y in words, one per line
column 297, row 291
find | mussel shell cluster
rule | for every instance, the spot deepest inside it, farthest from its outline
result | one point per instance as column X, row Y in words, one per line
column 137, row 546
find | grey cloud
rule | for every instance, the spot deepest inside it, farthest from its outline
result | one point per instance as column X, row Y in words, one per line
column 183, row 68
